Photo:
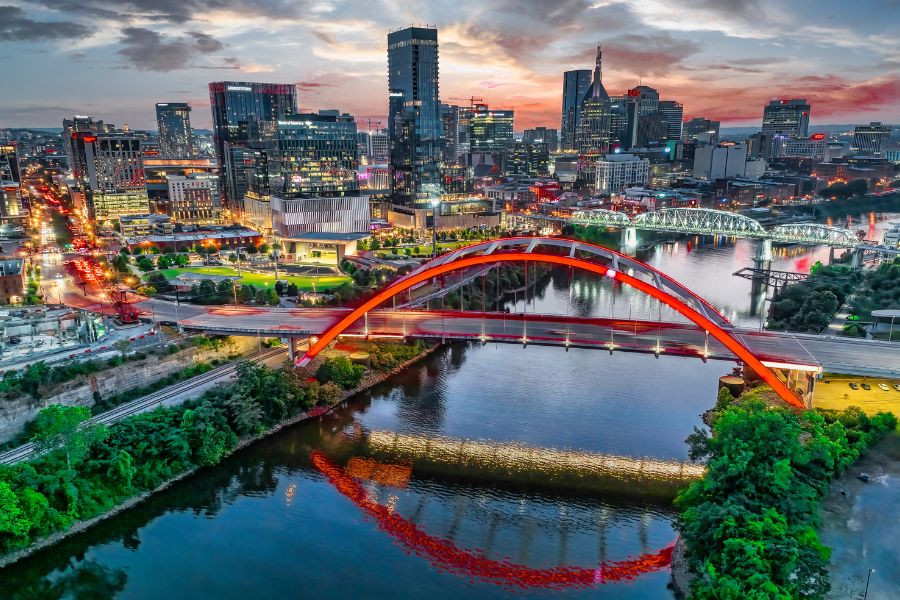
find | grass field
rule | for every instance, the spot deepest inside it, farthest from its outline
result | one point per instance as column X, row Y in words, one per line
column 304, row 283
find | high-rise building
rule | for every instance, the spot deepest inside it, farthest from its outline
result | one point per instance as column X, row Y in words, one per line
column 703, row 130
column 9, row 163
column 109, row 170
column 673, row 113
column 450, row 120
column 81, row 124
column 176, row 139
column 311, row 154
column 491, row 130
column 592, row 134
column 542, row 135
column 237, row 109
column 787, row 117
column 529, row 159
column 414, row 115
column 374, row 146
column 872, row 138
column 576, row 85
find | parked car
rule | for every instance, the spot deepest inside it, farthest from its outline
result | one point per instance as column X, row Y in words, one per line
column 853, row 386
column 897, row 386
column 866, row 387
column 884, row 387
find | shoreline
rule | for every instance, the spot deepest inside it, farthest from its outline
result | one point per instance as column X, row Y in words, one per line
column 314, row 413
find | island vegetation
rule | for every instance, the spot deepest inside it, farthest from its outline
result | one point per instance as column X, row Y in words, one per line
column 749, row 526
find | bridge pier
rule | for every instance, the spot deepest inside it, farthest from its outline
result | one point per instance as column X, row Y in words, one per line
column 856, row 259
column 629, row 238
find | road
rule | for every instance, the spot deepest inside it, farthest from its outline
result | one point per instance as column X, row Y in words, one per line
column 833, row 354
column 170, row 396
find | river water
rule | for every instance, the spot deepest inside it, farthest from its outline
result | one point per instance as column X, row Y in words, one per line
column 269, row 521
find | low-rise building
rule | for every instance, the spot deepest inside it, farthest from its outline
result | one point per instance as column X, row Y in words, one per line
column 131, row 226
column 340, row 214
column 615, row 172
column 12, row 281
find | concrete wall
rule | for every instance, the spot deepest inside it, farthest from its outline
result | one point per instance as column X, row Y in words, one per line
column 15, row 413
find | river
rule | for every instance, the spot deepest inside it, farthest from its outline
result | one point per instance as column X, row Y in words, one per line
column 270, row 520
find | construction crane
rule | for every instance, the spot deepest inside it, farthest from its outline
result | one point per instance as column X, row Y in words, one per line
column 473, row 100
column 369, row 120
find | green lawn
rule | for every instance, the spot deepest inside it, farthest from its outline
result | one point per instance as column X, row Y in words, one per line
column 304, row 283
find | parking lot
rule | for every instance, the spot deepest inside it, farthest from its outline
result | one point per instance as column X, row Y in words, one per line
column 838, row 394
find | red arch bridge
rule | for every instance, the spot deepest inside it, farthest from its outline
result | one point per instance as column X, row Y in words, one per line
column 788, row 363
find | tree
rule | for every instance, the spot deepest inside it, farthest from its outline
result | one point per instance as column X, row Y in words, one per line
column 63, row 427
column 251, row 249
column 123, row 345
column 14, row 525
column 292, row 290
column 165, row 261
column 279, row 287
column 340, row 370
column 145, row 264
column 120, row 262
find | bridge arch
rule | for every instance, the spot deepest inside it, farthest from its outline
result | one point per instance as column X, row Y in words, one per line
column 814, row 233
column 510, row 250
column 703, row 221
column 601, row 217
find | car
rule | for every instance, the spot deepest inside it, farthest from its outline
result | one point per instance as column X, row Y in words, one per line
column 897, row 386
column 866, row 387
column 884, row 387
column 853, row 386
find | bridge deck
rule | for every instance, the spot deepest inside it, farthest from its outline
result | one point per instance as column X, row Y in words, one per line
column 841, row 355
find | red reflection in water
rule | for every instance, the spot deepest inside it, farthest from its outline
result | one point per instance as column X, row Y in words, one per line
column 446, row 556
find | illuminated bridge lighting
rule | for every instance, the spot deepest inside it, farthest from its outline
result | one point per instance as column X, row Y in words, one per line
column 446, row 556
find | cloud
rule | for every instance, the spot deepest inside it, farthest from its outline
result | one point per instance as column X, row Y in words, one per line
column 312, row 86
column 15, row 26
column 148, row 50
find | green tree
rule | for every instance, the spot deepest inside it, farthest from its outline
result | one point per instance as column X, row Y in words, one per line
column 14, row 525
column 64, row 428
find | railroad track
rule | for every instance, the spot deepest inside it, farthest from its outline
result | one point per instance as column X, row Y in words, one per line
column 146, row 403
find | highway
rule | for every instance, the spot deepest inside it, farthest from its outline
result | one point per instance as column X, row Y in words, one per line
column 170, row 396
column 833, row 354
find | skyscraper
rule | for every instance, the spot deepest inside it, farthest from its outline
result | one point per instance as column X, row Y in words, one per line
column 80, row 124
column 414, row 115
column 575, row 86
column 592, row 133
column 872, row 138
column 787, row 117
column 176, row 139
column 237, row 108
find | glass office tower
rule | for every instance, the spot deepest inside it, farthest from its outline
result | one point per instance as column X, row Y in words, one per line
column 415, row 125
column 176, row 139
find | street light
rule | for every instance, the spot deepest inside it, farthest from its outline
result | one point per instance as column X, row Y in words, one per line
column 435, row 204
column 868, row 577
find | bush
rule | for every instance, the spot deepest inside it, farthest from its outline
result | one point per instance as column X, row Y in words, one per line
column 339, row 370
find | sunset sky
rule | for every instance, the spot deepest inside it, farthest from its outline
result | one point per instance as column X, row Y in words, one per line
column 114, row 59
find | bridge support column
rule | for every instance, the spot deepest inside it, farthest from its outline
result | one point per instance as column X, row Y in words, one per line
column 629, row 238
column 856, row 259
column 831, row 255
column 292, row 349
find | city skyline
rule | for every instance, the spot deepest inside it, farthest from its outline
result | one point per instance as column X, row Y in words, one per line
column 722, row 60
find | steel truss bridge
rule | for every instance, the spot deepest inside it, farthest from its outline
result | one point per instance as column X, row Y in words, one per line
column 705, row 221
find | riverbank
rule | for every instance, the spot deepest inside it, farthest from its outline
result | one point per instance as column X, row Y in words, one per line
column 857, row 526
column 369, row 380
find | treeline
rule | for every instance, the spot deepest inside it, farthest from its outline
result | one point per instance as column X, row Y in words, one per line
column 750, row 524
column 808, row 306
column 881, row 290
column 84, row 471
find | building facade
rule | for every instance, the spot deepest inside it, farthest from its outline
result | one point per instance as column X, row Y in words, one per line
column 542, row 135
column 702, row 130
column 872, row 138
column 576, row 85
column 492, row 130
column 415, row 126
column 109, row 170
column 237, row 108
column 615, row 172
column 292, row 217
column 176, row 138
column 192, row 199
column 720, row 162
